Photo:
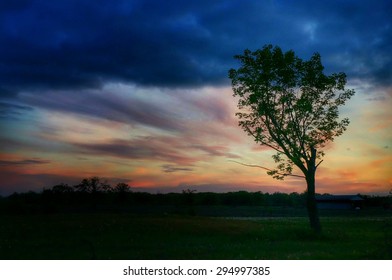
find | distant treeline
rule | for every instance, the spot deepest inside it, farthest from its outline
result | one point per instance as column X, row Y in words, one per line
column 95, row 194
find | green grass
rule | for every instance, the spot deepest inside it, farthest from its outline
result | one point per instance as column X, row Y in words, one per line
column 126, row 236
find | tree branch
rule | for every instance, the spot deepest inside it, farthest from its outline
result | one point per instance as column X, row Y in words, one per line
column 297, row 129
column 319, row 163
column 265, row 168
column 263, row 142
column 293, row 158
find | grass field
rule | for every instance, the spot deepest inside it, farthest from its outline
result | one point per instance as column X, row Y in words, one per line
column 126, row 236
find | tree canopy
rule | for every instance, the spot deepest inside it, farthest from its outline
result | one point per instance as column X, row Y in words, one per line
column 289, row 105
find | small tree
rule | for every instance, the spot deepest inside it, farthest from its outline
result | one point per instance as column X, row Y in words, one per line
column 93, row 185
column 62, row 189
column 290, row 106
column 92, row 189
column 122, row 191
column 189, row 200
column 122, row 188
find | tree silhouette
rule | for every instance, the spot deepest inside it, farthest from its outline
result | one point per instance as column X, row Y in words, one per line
column 93, row 185
column 123, row 190
column 62, row 189
column 290, row 106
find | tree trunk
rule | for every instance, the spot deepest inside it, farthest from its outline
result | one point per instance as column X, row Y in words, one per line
column 311, row 202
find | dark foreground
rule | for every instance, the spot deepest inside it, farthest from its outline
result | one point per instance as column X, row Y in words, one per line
column 129, row 236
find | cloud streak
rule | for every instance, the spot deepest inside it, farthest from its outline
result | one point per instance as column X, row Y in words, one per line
column 23, row 162
column 161, row 109
column 10, row 110
column 159, row 148
column 169, row 168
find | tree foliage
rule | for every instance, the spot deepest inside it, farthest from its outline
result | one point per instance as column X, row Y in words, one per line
column 289, row 105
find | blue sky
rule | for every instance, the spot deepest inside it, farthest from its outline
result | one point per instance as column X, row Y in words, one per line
column 137, row 91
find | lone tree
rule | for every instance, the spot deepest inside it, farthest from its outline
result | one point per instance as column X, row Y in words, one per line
column 291, row 106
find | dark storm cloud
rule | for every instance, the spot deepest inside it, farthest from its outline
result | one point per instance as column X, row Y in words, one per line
column 355, row 37
column 70, row 44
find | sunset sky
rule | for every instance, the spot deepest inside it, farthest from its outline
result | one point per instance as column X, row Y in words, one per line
column 137, row 91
